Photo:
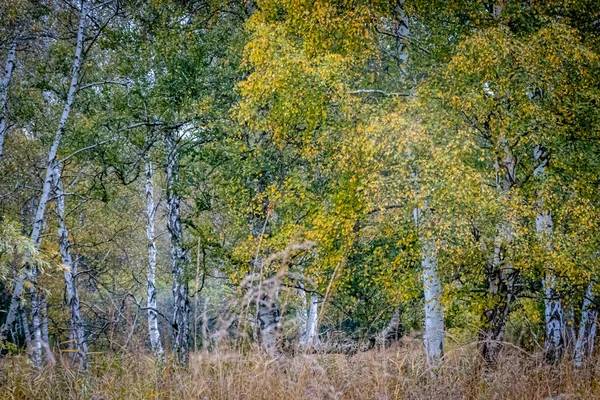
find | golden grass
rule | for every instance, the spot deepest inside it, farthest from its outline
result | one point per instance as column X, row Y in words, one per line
column 398, row 373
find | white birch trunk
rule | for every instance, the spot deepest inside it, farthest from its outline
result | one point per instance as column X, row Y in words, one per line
column 432, row 290
column 48, row 181
column 553, row 312
column 179, row 256
column 554, row 318
column 36, row 347
column 268, row 322
column 76, row 327
column 153, row 330
column 584, row 346
column 4, row 85
column 311, row 337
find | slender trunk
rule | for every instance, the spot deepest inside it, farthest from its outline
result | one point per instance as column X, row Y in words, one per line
column 311, row 322
column 553, row 310
column 553, row 344
column 584, row 345
column 432, row 290
column 179, row 256
column 4, row 84
column 500, row 280
column 36, row 347
column 204, row 326
column 268, row 320
column 434, row 313
column 76, row 327
column 153, row 330
column 501, row 277
column 49, row 179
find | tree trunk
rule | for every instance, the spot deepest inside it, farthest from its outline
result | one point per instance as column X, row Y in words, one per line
column 434, row 313
column 553, row 311
column 25, row 324
column 179, row 256
column 153, row 330
column 311, row 338
column 402, row 34
column 553, row 344
column 391, row 332
column 4, row 85
column 432, row 290
column 584, row 345
column 268, row 321
column 49, row 179
column 76, row 328
column 501, row 278
column 36, row 347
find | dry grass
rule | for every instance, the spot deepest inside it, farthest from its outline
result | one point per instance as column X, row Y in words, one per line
column 398, row 373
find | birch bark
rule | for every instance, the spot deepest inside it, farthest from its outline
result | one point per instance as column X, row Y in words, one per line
column 4, row 85
column 48, row 181
column 179, row 256
column 553, row 312
column 311, row 322
column 584, row 345
column 76, row 326
column 268, row 320
column 153, row 330
column 501, row 277
column 432, row 290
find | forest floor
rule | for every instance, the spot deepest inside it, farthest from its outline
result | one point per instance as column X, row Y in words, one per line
column 396, row 373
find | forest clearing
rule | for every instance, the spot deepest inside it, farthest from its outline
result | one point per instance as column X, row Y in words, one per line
column 303, row 199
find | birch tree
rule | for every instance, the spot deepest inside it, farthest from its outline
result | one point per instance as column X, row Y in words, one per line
column 153, row 330
column 584, row 346
column 9, row 66
column 31, row 272
column 552, row 305
column 180, row 259
column 76, row 323
column 432, row 290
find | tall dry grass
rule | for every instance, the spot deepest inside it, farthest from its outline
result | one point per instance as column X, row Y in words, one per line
column 397, row 373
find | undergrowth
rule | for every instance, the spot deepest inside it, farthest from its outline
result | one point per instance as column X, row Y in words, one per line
column 396, row 373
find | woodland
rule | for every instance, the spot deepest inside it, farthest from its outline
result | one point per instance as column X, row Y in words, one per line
column 300, row 199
